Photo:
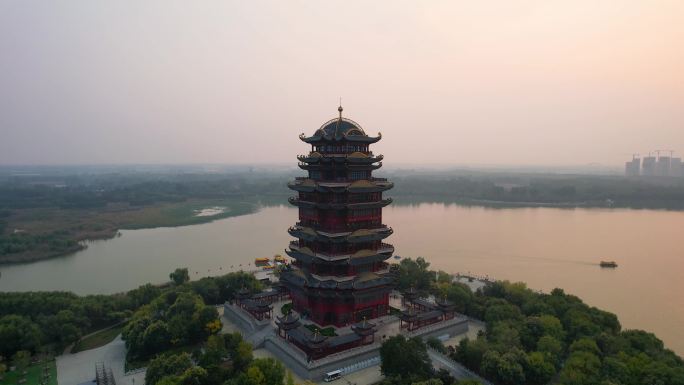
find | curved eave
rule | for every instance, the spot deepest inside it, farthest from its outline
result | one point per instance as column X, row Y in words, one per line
column 309, row 258
column 302, row 234
column 370, row 159
column 339, row 159
column 378, row 236
column 350, row 167
column 339, row 206
column 311, row 235
column 368, row 260
column 369, row 205
column 342, row 259
column 377, row 187
column 299, row 203
column 301, row 187
column 358, row 283
column 363, row 138
column 318, row 139
column 309, row 185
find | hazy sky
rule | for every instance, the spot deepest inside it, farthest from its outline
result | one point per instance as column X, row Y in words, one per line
column 465, row 82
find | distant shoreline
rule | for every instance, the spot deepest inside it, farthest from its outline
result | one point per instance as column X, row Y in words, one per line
column 152, row 217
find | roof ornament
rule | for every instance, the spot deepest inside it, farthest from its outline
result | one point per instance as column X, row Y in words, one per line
column 340, row 109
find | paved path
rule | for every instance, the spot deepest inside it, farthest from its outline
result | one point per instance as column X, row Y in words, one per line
column 458, row 371
column 73, row 369
column 69, row 348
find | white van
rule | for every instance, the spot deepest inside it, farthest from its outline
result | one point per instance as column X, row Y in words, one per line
column 332, row 376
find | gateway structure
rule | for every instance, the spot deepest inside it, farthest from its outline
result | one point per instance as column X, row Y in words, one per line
column 339, row 275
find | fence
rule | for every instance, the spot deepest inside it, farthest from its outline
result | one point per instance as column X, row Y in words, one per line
column 360, row 365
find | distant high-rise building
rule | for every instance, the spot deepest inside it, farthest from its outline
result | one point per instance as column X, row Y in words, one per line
column 632, row 167
column 676, row 169
column 648, row 165
column 663, row 166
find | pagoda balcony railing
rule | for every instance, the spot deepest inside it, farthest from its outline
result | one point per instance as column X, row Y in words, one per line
column 385, row 230
column 336, row 154
column 341, row 228
column 354, row 201
column 339, row 198
column 343, row 179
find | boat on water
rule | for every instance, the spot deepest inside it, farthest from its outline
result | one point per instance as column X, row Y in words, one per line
column 262, row 261
column 611, row 264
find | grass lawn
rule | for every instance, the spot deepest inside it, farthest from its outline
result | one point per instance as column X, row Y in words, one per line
column 183, row 213
column 33, row 377
column 98, row 339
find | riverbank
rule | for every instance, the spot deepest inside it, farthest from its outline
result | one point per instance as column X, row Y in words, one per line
column 48, row 233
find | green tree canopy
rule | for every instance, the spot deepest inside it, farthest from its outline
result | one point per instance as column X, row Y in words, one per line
column 180, row 276
column 406, row 358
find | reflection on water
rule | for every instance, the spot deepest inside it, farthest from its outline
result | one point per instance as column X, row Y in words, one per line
column 544, row 247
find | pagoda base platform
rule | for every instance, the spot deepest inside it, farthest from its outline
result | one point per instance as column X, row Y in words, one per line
column 263, row 334
column 243, row 320
column 354, row 359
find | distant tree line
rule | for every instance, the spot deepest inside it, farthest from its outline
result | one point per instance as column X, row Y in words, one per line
column 571, row 190
column 97, row 193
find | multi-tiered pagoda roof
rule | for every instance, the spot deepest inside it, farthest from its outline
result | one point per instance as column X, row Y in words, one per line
column 340, row 274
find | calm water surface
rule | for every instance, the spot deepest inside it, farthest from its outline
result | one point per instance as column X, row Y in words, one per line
column 546, row 248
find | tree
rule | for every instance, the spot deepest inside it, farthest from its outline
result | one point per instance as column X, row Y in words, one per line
column 242, row 355
column 551, row 347
column 504, row 368
column 407, row 358
column 175, row 318
column 436, row 344
column 415, row 274
column 18, row 333
column 500, row 310
column 273, row 371
column 470, row 352
column 195, row 375
column 585, row 345
column 539, row 369
column 180, row 276
column 431, row 381
column 581, row 368
column 167, row 365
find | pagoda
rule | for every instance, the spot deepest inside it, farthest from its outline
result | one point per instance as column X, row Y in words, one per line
column 339, row 275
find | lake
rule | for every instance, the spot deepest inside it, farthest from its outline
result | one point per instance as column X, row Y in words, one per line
column 544, row 247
